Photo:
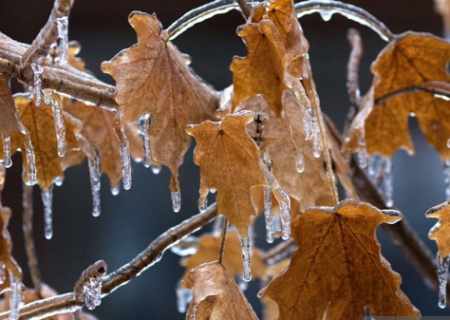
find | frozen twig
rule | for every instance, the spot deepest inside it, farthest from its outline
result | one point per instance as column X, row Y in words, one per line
column 353, row 67
column 245, row 8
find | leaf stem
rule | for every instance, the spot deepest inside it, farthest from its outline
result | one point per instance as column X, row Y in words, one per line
column 223, row 239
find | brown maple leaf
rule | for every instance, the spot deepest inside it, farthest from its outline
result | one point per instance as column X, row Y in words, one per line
column 338, row 268
column 440, row 231
column 9, row 121
column 270, row 307
column 152, row 78
column 410, row 60
column 229, row 161
column 216, row 295
column 97, row 128
column 208, row 251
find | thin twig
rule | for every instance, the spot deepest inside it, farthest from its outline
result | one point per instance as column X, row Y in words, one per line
column 245, row 8
column 27, row 202
column 223, row 239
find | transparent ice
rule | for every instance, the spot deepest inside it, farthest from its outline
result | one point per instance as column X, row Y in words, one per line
column 285, row 215
column 92, row 293
column 184, row 297
column 47, row 202
column 268, row 214
column 447, row 178
column 6, row 141
column 126, row 159
column 144, row 125
column 63, row 38
column 2, row 272
column 60, row 126
column 245, row 246
column 176, row 201
column 15, row 298
column 95, row 174
column 443, row 278
column 387, row 180
column 37, row 73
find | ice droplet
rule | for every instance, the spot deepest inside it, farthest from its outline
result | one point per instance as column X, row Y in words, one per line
column 15, row 298
column 362, row 151
column 115, row 191
column 126, row 159
column 156, row 168
column 176, row 201
column 443, row 278
column 285, row 215
column 245, row 246
column 184, row 297
column 6, row 141
column 60, row 126
column 387, row 180
column 447, row 178
column 2, row 272
column 63, row 38
column 243, row 285
column 37, row 72
column 92, row 293
column 58, row 181
column 326, row 14
column 144, row 125
column 268, row 214
column 47, row 201
column 213, row 190
column 94, row 174
column 300, row 161
column 203, row 206
column 31, row 163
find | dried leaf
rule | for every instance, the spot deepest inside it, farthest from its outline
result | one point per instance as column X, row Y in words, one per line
column 208, row 251
column 230, row 162
column 9, row 121
column 97, row 128
column 270, row 307
column 340, row 245
column 216, row 295
column 440, row 231
column 152, row 78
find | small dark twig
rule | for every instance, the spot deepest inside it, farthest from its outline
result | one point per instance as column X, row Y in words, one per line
column 223, row 239
column 245, row 8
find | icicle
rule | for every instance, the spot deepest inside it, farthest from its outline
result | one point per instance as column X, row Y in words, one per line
column 2, row 272
column 126, row 160
column 447, row 178
column 218, row 225
column 186, row 247
column 245, row 245
column 156, row 168
column 387, row 179
column 47, row 201
column 203, row 206
column 92, row 293
column 176, row 201
column 285, row 216
column 6, row 140
column 63, row 38
column 326, row 14
column 317, row 143
column 300, row 161
column 115, row 191
column 60, row 126
column 213, row 190
column 371, row 166
column 145, row 123
column 184, row 297
column 94, row 174
column 443, row 278
column 268, row 214
column 307, row 116
column 31, row 163
column 362, row 151
column 15, row 298
column 37, row 72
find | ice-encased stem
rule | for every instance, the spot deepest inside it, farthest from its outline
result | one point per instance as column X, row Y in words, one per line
column 387, row 180
column 6, row 141
column 60, row 126
column 246, row 256
column 63, row 38
column 184, row 297
column 14, row 299
column 176, row 201
column 285, row 215
column 145, row 123
column 268, row 214
column 126, row 158
column 446, row 178
column 31, row 162
column 47, row 199
column 92, row 293
column 95, row 174
column 37, row 73
column 442, row 273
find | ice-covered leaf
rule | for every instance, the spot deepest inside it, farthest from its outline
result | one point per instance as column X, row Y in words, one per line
column 216, row 295
column 152, row 78
column 230, row 162
column 270, row 307
column 208, row 251
column 97, row 128
column 338, row 268
column 441, row 231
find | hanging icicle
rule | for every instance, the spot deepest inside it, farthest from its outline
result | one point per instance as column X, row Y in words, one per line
column 203, row 206
column 15, row 297
column 245, row 246
column 144, row 127
column 285, row 215
column 2, row 272
column 307, row 116
column 63, row 38
column 47, row 197
column 176, row 201
column 387, row 180
column 60, row 126
column 362, row 151
column 125, row 156
column 268, row 214
column 95, row 174
column 6, row 141
column 184, row 297
column 37, row 73
column 315, row 131
column 442, row 273
column 447, row 178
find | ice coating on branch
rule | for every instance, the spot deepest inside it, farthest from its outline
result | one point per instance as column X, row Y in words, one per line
column 144, row 125
column 92, row 290
column 47, row 198
column 126, row 158
column 2, row 272
column 268, row 214
column 285, row 215
column 37, row 72
column 156, row 168
column 326, row 14
column 362, row 151
column 31, row 163
column 63, row 38
column 15, row 297
column 60, row 126
column 176, row 201
column 387, row 180
column 218, row 225
column 300, row 161
column 6, row 141
column 245, row 246
column 186, row 247
column 446, row 178
column 203, row 206
column 184, row 297
column 443, row 278
column 95, row 174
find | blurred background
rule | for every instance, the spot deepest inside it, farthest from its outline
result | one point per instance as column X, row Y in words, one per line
column 131, row 220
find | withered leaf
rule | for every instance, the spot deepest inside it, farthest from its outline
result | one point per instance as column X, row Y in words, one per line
column 216, row 295
column 339, row 244
column 152, row 78
column 97, row 128
column 270, row 307
column 409, row 60
column 208, row 251
column 9, row 121
column 440, row 231
column 229, row 162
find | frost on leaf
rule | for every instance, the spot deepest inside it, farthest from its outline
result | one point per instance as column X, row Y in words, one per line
column 409, row 60
column 208, row 251
column 8, row 265
column 441, row 231
column 152, row 78
column 97, row 128
column 339, row 244
column 230, row 162
column 216, row 295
